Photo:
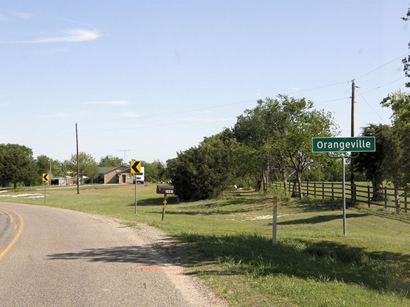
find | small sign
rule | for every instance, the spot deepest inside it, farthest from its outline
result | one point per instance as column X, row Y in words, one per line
column 349, row 144
column 45, row 177
column 135, row 167
column 164, row 203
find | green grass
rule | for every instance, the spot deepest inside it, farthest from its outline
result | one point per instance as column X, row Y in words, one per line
column 226, row 242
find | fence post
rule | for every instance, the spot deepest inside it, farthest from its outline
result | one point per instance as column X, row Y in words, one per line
column 396, row 201
column 385, row 197
column 314, row 188
column 307, row 188
column 368, row 196
column 333, row 194
column 323, row 190
column 353, row 193
column 405, row 202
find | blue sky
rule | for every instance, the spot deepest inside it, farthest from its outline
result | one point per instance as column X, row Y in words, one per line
column 155, row 77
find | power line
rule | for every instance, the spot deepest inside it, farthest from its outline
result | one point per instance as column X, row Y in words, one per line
column 381, row 66
column 371, row 107
column 384, row 84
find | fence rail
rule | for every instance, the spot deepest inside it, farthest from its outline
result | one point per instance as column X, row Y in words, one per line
column 356, row 193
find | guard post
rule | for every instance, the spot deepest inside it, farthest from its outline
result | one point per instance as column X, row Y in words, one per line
column 275, row 203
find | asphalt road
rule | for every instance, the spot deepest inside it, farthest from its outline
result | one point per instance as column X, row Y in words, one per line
column 51, row 257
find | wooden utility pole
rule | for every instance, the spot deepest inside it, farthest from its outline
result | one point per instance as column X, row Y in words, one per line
column 352, row 190
column 78, row 162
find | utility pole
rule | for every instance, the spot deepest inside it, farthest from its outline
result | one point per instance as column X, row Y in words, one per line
column 78, row 163
column 124, row 151
column 352, row 190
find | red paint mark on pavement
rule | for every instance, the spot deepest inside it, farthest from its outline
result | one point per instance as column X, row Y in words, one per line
column 157, row 268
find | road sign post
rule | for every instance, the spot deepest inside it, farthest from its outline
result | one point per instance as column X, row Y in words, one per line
column 135, row 168
column 44, row 178
column 344, row 196
column 344, row 145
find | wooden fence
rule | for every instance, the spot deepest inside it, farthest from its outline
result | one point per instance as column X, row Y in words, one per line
column 356, row 193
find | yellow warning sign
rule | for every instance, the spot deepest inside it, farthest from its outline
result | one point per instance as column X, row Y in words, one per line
column 135, row 167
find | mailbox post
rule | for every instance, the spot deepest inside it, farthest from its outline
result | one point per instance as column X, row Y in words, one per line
column 164, row 189
column 164, row 206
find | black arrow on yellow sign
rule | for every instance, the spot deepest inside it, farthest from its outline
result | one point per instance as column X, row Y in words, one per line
column 135, row 167
column 45, row 177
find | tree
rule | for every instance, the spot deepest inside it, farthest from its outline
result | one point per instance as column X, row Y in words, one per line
column 110, row 161
column 280, row 131
column 16, row 165
column 203, row 171
column 406, row 60
column 399, row 102
column 155, row 171
column 43, row 164
column 371, row 163
column 88, row 166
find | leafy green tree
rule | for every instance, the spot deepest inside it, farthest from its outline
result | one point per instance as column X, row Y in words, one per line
column 203, row 171
column 155, row 171
column 280, row 131
column 108, row 161
column 371, row 163
column 16, row 165
column 406, row 60
column 399, row 102
column 43, row 164
column 88, row 166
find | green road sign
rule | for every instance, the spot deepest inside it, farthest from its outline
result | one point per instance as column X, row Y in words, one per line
column 355, row 144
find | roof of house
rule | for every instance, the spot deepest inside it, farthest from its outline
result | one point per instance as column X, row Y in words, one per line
column 107, row 169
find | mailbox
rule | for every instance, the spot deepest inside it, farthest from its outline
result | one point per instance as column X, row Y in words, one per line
column 165, row 189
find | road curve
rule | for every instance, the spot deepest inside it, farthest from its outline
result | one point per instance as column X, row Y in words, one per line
column 68, row 258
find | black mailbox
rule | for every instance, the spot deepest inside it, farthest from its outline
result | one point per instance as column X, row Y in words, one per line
column 165, row 189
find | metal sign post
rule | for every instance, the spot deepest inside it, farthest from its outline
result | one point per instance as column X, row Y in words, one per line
column 135, row 194
column 344, row 196
column 274, row 220
column 135, row 168
column 44, row 178
column 344, row 145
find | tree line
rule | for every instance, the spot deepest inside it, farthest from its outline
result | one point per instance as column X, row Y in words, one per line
column 18, row 167
column 271, row 142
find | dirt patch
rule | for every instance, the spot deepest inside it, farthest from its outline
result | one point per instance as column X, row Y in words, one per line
column 265, row 217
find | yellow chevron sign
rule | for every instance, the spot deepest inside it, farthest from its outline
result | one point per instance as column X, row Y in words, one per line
column 135, row 167
column 44, row 177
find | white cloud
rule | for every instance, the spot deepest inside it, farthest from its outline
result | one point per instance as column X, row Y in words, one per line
column 208, row 120
column 69, row 36
column 128, row 115
column 21, row 14
column 54, row 115
column 109, row 103
column 10, row 15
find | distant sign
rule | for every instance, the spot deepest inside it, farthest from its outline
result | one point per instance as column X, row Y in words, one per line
column 44, row 177
column 135, row 167
column 352, row 144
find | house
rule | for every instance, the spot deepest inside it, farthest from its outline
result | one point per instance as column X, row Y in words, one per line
column 125, row 178
column 62, row 181
column 111, row 175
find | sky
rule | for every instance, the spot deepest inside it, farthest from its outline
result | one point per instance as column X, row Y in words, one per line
column 147, row 79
